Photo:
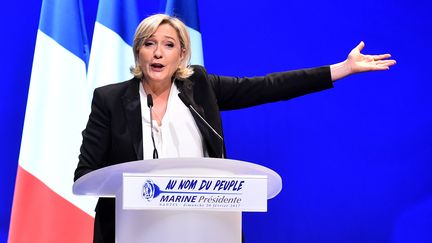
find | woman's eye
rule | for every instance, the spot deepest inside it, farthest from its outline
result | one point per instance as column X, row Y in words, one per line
column 170, row 45
column 148, row 43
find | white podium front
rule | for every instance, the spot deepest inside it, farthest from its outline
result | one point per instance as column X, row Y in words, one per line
column 193, row 221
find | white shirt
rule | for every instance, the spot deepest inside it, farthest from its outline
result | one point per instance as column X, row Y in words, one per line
column 178, row 135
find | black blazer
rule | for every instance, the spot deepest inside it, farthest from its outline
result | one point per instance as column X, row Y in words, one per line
column 114, row 131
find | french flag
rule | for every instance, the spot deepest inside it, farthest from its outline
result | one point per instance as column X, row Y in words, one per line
column 44, row 208
column 187, row 11
column 111, row 53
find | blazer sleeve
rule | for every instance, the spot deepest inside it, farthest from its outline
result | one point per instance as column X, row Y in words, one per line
column 96, row 137
column 235, row 93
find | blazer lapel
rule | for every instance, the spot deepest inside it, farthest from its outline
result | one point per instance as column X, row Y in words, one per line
column 132, row 108
column 186, row 86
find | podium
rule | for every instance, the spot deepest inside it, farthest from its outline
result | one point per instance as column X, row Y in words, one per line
column 182, row 199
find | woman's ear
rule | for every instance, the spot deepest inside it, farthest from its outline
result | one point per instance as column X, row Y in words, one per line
column 182, row 54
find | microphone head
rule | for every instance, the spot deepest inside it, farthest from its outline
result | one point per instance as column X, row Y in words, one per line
column 184, row 99
column 149, row 100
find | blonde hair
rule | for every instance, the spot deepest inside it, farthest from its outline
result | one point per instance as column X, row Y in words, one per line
column 147, row 27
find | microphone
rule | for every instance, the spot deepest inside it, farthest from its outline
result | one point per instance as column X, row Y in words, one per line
column 150, row 106
column 188, row 103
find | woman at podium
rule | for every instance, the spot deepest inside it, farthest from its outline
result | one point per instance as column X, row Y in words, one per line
column 172, row 109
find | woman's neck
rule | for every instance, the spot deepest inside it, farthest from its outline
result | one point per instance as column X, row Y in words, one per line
column 160, row 93
column 160, row 89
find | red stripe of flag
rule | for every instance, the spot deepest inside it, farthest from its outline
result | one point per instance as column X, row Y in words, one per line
column 40, row 215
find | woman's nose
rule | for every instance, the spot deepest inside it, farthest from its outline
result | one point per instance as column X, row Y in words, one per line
column 158, row 52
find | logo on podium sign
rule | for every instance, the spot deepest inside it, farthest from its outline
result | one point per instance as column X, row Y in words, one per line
column 150, row 190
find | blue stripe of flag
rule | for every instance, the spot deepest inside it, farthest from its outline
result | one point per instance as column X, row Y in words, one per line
column 63, row 21
column 186, row 10
column 121, row 16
